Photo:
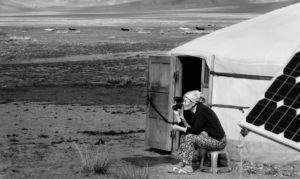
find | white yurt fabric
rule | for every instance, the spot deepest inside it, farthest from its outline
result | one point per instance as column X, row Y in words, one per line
column 259, row 47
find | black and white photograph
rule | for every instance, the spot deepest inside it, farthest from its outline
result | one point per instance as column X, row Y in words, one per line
column 149, row 89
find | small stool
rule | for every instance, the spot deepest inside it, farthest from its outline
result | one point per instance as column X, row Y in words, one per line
column 214, row 155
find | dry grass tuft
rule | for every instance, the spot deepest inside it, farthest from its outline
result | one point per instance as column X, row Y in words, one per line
column 102, row 166
column 132, row 172
column 94, row 160
column 119, row 80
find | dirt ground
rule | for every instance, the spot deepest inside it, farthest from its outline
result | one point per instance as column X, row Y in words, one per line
column 37, row 141
column 65, row 90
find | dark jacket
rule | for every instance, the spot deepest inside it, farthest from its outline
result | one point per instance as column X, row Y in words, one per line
column 204, row 119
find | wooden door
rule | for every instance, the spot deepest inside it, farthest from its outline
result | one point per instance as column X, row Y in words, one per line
column 158, row 131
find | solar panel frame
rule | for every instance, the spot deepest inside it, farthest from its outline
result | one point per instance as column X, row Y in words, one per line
column 277, row 114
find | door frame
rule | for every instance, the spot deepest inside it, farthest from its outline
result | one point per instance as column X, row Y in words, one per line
column 175, row 90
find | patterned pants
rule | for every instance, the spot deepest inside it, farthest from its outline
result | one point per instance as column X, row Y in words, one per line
column 189, row 143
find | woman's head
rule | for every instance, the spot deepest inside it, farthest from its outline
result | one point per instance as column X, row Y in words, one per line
column 191, row 98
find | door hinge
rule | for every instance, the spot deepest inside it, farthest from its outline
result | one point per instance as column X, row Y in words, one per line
column 173, row 134
column 176, row 75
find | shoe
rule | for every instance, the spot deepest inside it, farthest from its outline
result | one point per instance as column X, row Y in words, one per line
column 177, row 168
column 185, row 170
column 180, row 165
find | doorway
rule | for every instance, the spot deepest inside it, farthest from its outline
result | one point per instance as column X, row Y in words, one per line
column 191, row 73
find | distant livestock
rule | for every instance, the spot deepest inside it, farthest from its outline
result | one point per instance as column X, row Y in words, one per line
column 125, row 29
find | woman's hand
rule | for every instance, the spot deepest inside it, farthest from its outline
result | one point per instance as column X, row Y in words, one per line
column 181, row 114
column 177, row 115
column 174, row 128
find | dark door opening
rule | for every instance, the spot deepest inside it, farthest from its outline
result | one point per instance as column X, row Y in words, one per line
column 191, row 73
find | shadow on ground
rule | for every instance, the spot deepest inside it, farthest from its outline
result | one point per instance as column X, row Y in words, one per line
column 147, row 161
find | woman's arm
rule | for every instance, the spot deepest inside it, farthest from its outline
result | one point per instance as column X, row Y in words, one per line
column 179, row 128
column 185, row 123
column 180, row 118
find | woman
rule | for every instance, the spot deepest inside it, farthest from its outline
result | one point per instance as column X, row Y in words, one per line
column 201, row 128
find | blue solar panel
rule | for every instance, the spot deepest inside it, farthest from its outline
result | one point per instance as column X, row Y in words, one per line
column 278, row 112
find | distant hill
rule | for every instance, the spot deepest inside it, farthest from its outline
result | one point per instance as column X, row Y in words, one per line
column 88, row 6
column 213, row 3
column 9, row 6
column 240, row 6
column 12, row 6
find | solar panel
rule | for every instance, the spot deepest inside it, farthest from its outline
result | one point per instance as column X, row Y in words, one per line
column 277, row 115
